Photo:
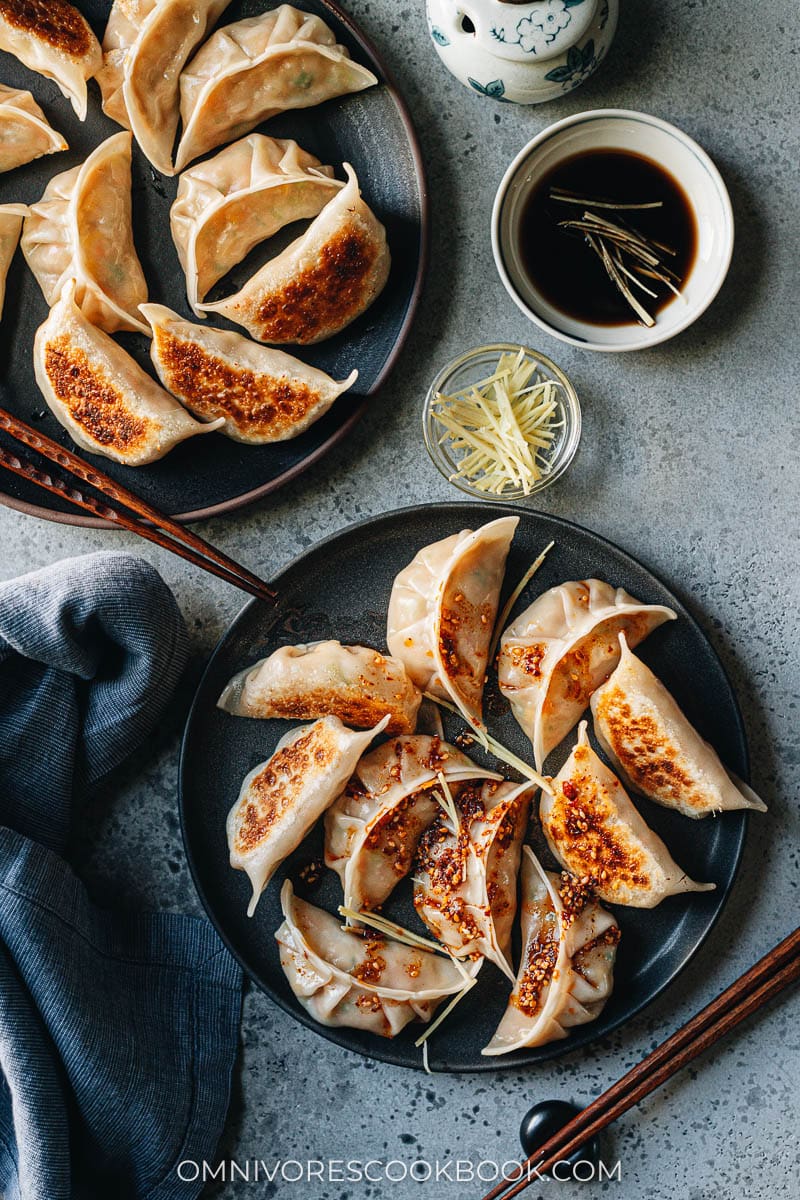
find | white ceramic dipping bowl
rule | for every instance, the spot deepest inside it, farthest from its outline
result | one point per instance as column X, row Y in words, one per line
column 689, row 165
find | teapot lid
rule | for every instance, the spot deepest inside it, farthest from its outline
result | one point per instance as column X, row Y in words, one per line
column 528, row 30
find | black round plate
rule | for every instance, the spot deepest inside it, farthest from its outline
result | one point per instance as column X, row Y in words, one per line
column 340, row 588
column 371, row 130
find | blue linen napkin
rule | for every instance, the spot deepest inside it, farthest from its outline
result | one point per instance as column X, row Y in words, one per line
column 118, row 1031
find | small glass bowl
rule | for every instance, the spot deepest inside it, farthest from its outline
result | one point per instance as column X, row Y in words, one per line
column 476, row 365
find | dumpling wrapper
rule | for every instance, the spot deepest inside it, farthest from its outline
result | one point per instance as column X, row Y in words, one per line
column 566, row 971
column 259, row 67
column 101, row 395
column 25, row 133
column 595, row 832
column 81, row 229
column 321, row 282
column 54, row 40
column 465, row 881
column 354, row 683
column 557, row 652
column 443, row 610
column 373, row 830
column 145, row 47
column 242, row 196
column 343, row 979
column 655, row 749
column 259, row 394
column 281, row 798
column 11, row 217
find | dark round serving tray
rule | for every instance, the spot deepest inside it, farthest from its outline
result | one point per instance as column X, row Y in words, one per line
column 211, row 475
column 340, row 588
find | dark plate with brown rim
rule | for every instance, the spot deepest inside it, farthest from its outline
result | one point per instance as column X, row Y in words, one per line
column 316, row 601
column 206, row 476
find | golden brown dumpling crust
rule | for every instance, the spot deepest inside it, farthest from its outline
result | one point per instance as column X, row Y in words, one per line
column 340, row 284
column 92, row 400
column 580, row 823
column 53, row 21
column 264, row 405
column 275, row 789
column 649, row 759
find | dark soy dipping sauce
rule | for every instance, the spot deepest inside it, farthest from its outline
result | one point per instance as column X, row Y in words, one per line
column 565, row 270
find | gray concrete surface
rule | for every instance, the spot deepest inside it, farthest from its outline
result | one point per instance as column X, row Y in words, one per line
column 689, row 460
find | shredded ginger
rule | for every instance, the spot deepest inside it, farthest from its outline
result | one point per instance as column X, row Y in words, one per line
column 501, row 431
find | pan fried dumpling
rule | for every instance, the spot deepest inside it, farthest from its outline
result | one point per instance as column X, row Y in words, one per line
column 566, row 972
column 372, row 983
column 353, row 683
column 145, row 47
column 465, row 880
column 101, row 395
column 372, row 831
column 281, row 798
column 11, row 216
column 262, row 395
column 556, row 653
column 322, row 281
column 25, row 133
column 81, row 230
column 53, row 39
column 595, row 832
column 654, row 748
column 443, row 610
column 257, row 68
column 240, row 197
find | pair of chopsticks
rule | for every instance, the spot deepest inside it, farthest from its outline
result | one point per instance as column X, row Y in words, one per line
column 751, row 991
column 120, row 506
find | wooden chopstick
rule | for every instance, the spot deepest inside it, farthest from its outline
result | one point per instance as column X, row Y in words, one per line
column 769, row 976
column 148, row 522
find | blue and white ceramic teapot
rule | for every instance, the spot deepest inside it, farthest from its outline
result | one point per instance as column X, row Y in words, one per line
column 521, row 50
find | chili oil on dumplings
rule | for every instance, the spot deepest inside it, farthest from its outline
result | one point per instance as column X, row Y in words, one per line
column 561, row 648
column 566, row 971
column 443, row 609
column 363, row 981
column 374, row 828
column 594, row 831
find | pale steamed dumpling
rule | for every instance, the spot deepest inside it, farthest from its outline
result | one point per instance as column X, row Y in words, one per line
column 145, row 47
column 443, row 609
column 25, row 133
column 595, row 832
column 81, row 229
column 656, row 750
column 11, row 217
column 372, row 831
column 373, row 984
column 228, row 204
column 322, row 281
column 101, row 395
column 260, row 394
column 566, row 971
column 281, row 798
column 561, row 648
column 258, row 67
column 54, row 39
column 354, row 683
